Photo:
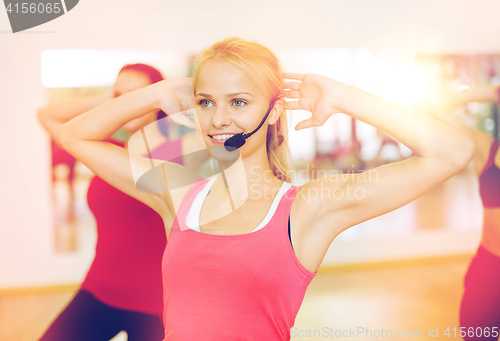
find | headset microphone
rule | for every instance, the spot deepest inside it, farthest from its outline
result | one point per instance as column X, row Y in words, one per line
column 238, row 140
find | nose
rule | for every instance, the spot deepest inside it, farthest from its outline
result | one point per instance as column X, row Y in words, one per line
column 221, row 117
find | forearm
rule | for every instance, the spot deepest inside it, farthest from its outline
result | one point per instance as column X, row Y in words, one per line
column 488, row 93
column 423, row 135
column 52, row 117
column 101, row 122
column 443, row 114
column 68, row 110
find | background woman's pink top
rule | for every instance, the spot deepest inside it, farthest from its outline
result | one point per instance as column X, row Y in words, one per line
column 126, row 271
column 232, row 287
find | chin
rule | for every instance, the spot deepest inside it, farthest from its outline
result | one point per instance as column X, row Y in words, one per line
column 221, row 154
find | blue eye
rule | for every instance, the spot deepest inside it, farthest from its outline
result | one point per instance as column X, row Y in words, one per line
column 239, row 102
column 205, row 103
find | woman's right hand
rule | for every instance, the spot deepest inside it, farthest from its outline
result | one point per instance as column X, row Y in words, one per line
column 176, row 98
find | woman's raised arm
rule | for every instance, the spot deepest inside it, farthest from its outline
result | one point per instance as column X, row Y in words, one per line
column 488, row 93
column 440, row 152
column 52, row 117
column 86, row 136
column 442, row 109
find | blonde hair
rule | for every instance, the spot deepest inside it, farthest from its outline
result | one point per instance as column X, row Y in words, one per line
column 263, row 68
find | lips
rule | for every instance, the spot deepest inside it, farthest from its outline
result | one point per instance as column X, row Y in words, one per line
column 220, row 138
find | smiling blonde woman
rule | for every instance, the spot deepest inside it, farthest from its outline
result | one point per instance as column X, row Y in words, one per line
column 237, row 266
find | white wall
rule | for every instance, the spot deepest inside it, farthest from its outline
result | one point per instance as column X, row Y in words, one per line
column 26, row 252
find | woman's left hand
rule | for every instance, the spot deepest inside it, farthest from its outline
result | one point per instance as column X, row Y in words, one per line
column 315, row 93
column 177, row 100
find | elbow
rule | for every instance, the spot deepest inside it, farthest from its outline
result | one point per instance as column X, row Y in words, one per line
column 463, row 153
column 66, row 139
column 41, row 116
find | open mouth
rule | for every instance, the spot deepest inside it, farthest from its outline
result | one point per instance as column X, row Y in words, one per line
column 220, row 138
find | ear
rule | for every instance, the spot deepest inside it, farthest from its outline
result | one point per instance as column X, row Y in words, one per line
column 278, row 108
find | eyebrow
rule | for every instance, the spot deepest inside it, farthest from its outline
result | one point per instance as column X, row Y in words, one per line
column 228, row 95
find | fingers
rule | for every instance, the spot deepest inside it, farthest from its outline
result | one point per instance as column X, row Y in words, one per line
column 296, row 76
column 305, row 124
column 291, row 94
column 293, row 85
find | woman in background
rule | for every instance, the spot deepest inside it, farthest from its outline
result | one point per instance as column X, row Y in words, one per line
column 480, row 307
column 123, row 287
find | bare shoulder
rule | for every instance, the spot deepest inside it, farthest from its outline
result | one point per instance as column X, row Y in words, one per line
column 168, row 181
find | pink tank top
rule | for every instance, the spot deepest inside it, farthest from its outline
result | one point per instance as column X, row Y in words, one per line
column 232, row 287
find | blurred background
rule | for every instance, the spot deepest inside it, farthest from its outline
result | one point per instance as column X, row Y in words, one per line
column 400, row 271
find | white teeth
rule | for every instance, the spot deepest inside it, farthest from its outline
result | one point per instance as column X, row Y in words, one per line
column 222, row 137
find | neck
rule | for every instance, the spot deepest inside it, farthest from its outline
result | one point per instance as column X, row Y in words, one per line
column 250, row 178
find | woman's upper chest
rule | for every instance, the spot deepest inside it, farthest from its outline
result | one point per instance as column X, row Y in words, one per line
column 220, row 217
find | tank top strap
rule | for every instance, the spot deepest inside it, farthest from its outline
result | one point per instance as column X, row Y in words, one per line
column 491, row 157
column 285, row 211
column 187, row 201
